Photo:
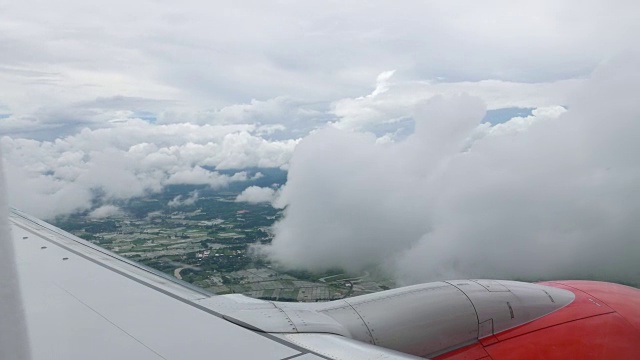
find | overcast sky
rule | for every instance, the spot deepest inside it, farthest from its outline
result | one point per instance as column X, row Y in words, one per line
column 438, row 122
column 70, row 64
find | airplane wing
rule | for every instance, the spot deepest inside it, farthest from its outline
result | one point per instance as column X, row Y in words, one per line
column 83, row 302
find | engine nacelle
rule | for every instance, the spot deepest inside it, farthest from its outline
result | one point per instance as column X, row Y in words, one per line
column 422, row 320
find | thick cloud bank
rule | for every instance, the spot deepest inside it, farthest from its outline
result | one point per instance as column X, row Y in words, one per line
column 550, row 196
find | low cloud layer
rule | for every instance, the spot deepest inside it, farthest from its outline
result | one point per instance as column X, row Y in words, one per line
column 116, row 151
column 184, row 201
column 549, row 196
column 105, row 211
column 256, row 195
column 48, row 178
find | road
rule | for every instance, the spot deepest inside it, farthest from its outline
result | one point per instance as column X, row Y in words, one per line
column 324, row 279
column 176, row 273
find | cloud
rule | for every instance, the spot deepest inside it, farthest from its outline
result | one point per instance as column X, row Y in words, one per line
column 517, row 124
column 256, row 194
column 391, row 101
column 44, row 195
column 184, row 201
column 154, row 61
column 201, row 176
column 130, row 159
column 551, row 196
column 105, row 211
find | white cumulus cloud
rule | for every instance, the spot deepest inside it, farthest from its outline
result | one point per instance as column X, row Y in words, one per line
column 256, row 194
column 105, row 211
column 184, row 201
column 47, row 178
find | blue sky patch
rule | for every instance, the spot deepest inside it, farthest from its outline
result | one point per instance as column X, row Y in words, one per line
column 146, row 116
column 499, row 116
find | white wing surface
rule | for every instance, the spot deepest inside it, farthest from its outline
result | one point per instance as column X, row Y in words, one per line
column 83, row 302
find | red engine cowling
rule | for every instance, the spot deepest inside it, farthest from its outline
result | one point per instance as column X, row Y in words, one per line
column 603, row 322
